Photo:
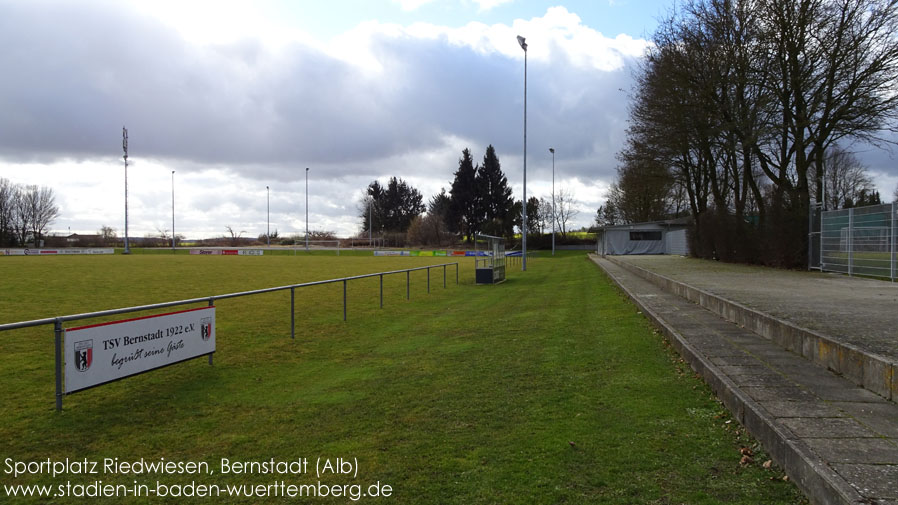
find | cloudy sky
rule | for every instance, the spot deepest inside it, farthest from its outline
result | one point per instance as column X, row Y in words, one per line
column 235, row 96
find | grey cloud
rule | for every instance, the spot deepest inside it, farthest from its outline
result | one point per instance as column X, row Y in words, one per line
column 80, row 71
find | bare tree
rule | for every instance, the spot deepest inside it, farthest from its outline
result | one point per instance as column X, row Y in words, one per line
column 845, row 178
column 235, row 236
column 565, row 209
column 7, row 212
column 107, row 234
column 545, row 215
column 43, row 210
column 21, row 214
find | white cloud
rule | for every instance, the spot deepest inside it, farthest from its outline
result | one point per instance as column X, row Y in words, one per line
column 485, row 5
column 411, row 5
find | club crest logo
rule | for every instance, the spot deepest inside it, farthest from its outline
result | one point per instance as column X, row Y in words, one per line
column 206, row 328
column 84, row 354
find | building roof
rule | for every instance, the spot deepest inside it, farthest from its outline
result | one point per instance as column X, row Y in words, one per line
column 680, row 222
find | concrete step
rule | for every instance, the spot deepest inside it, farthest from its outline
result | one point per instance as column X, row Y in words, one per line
column 837, row 441
column 867, row 368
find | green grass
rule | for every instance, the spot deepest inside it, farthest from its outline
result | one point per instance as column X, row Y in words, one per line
column 549, row 388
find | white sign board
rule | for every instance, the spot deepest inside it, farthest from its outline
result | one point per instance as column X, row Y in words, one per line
column 106, row 352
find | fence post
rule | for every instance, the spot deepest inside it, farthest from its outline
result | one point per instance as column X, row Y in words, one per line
column 211, row 303
column 292, row 315
column 850, row 242
column 444, row 276
column 407, row 284
column 456, row 273
column 428, row 280
column 381, row 290
column 894, row 242
column 811, row 235
column 344, row 299
column 57, row 327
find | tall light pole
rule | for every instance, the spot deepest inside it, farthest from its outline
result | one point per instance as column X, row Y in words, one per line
column 268, row 204
column 125, row 148
column 307, row 209
column 173, row 211
column 552, row 150
column 523, row 43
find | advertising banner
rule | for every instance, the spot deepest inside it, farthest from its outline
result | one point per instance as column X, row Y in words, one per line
column 392, row 253
column 54, row 252
column 105, row 352
column 211, row 252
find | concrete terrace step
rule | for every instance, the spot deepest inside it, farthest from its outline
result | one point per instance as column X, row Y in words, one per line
column 838, row 442
column 857, row 331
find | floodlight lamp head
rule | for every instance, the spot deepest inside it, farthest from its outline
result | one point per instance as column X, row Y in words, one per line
column 522, row 42
column 552, row 150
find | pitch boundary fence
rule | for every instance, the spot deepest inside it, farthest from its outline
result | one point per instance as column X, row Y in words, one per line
column 857, row 241
column 59, row 320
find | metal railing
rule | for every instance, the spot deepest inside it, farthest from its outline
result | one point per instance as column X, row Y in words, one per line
column 59, row 320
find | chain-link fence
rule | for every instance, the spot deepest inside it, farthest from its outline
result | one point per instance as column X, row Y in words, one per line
column 859, row 241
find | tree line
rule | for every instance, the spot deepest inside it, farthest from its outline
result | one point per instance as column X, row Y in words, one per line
column 26, row 213
column 479, row 201
column 740, row 115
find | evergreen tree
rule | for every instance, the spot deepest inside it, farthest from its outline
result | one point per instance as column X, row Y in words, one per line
column 464, row 205
column 494, row 195
column 439, row 206
column 392, row 207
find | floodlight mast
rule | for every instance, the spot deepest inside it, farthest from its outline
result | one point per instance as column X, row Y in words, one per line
column 523, row 43
column 125, row 148
column 552, row 150
column 173, row 211
column 307, row 209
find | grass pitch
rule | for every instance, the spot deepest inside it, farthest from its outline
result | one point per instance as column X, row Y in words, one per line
column 549, row 388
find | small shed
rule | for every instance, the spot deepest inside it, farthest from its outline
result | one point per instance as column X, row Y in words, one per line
column 654, row 237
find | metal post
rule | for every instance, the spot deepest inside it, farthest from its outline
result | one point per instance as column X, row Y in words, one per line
column 444, row 276
column 408, row 283
column 456, row 274
column 344, row 300
column 894, row 242
column 850, row 241
column 428, row 280
column 268, row 207
column 523, row 44
column 307, row 209
column 810, row 236
column 58, row 337
column 822, row 210
column 125, row 148
column 552, row 150
column 173, row 211
column 211, row 304
column 381, row 291
column 292, row 315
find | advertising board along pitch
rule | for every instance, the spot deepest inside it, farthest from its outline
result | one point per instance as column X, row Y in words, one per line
column 227, row 252
column 107, row 352
column 54, row 252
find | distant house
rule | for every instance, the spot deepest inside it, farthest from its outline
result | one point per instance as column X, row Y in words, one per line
column 655, row 237
column 77, row 240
